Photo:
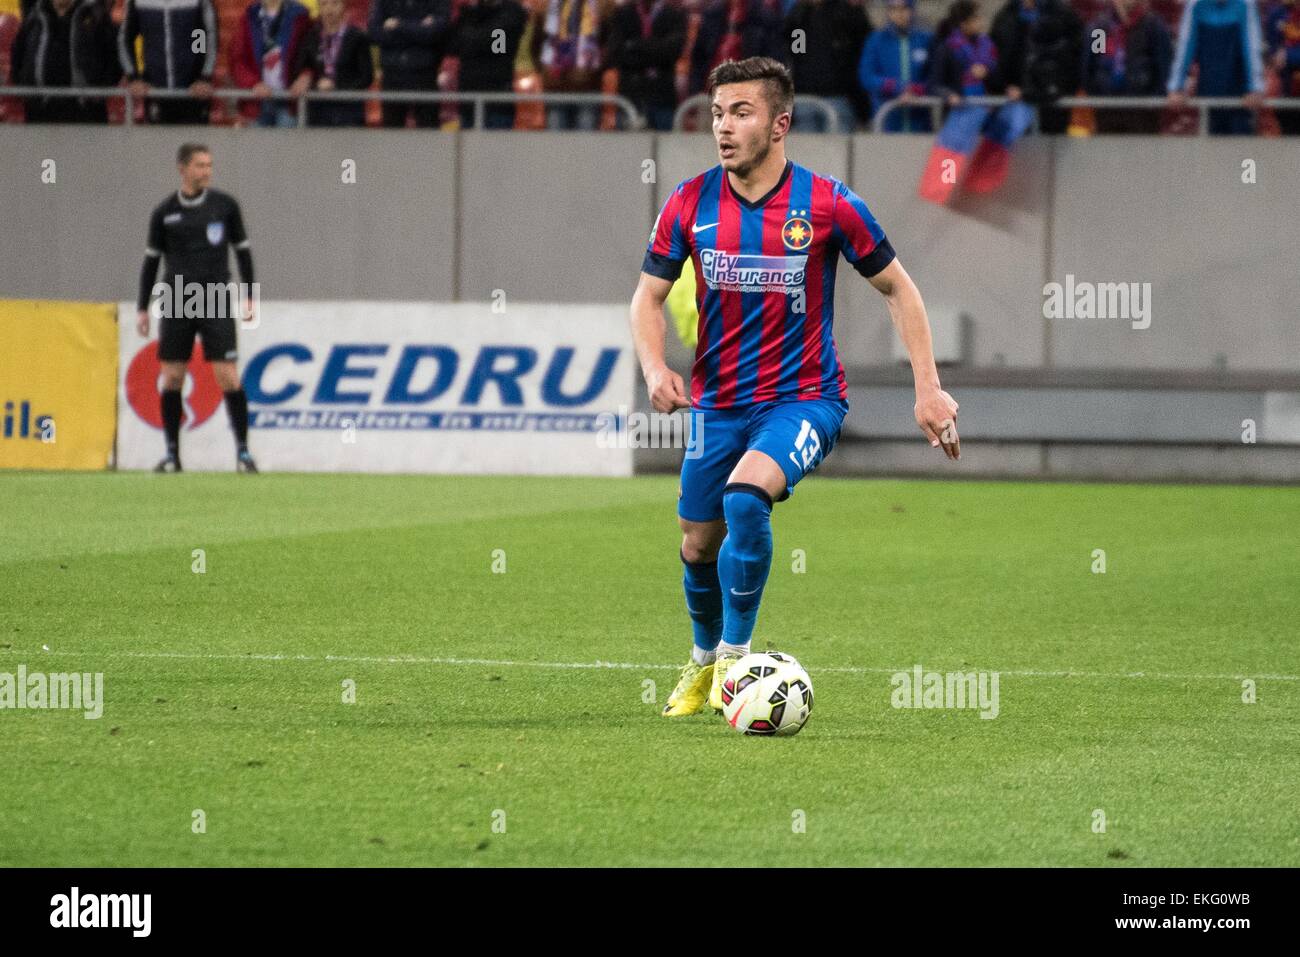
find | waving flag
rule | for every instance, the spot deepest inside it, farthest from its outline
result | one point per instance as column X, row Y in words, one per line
column 952, row 150
column 988, row 168
column 975, row 141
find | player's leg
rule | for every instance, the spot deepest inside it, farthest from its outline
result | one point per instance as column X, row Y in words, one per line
column 715, row 448
column 700, row 543
column 219, row 346
column 175, row 343
column 786, row 442
column 745, row 557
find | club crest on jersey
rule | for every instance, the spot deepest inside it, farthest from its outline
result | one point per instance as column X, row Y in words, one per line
column 797, row 231
column 215, row 232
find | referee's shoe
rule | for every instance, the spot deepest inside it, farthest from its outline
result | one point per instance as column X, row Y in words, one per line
column 243, row 463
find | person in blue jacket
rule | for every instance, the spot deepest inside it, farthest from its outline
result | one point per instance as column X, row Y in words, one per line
column 894, row 64
column 1223, row 38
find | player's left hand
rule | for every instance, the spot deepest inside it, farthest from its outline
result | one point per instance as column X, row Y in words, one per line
column 936, row 414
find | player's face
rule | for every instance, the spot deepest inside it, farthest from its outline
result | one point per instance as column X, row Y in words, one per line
column 743, row 126
column 197, row 173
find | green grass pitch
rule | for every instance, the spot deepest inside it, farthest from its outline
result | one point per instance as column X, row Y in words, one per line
column 483, row 733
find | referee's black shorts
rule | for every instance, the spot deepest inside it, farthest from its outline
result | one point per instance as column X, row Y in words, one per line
column 176, row 337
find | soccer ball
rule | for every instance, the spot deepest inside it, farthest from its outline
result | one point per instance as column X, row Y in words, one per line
column 767, row 693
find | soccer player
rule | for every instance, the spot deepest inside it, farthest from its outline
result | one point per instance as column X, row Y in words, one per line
column 195, row 228
column 767, row 388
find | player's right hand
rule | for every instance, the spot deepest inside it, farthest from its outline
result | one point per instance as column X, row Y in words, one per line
column 142, row 323
column 667, row 390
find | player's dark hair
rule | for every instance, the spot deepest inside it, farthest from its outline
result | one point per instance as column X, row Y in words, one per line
column 958, row 13
column 187, row 151
column 778, row 86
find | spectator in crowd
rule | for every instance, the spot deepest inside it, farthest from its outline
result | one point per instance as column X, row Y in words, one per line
column 826, row 64
column 894, row 65
column 1134, row 60
column 487, row 57
column 964, row 62
column 179, row 41
column 1040, row 49
column 571, row 60
column 265, row 58
column 1282, row 32
column 65, row 43
column 735, row 30
column 334, row 55
column 411, row 36
column 1222, row 37
column 645, row 43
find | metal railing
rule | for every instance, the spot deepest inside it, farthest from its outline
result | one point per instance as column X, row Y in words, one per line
column 1202, row 104
column 635, row 120
column 700, row 101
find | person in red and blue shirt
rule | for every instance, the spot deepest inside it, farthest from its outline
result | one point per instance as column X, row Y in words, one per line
column 768, row 397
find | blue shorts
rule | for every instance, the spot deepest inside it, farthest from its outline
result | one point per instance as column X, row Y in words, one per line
column 797, row 435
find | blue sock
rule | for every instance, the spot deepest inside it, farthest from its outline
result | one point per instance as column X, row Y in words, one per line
column 744, row 559
column 703, row 602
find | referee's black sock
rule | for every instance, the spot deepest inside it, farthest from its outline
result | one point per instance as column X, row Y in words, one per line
column 171, row 416
column 237, row 406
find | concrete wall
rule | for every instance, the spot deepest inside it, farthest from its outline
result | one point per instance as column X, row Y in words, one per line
column 565, row 216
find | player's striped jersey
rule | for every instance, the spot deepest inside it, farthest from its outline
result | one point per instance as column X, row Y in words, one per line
column 765, row 281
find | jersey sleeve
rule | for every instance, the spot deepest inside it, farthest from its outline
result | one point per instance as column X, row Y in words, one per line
column 235, row 223
column 154, row 245
column 669, row 246
column 861, row 239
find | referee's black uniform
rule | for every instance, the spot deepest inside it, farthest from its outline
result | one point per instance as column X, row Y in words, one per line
column 195, row 234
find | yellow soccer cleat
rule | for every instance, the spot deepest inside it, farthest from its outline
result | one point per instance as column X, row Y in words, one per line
column 720, row 667
column 691, row 692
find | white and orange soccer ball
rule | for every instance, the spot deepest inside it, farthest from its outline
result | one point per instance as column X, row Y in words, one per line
column 767, row 693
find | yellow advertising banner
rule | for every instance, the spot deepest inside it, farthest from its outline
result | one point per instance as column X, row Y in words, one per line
column 58, row 384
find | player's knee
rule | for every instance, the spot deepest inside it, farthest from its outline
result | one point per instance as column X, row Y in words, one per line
column 172, row 380
column 748, row 510
column 701, row 540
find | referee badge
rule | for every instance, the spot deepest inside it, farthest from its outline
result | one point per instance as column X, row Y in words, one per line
column 215, row 232
column 797, row 231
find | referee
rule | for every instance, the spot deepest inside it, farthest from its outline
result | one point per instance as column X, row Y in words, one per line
column 194, row 228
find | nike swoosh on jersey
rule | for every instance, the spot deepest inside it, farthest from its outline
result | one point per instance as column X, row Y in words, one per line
column 696, row 227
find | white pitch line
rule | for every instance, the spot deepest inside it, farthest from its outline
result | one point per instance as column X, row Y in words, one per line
column 628, row 666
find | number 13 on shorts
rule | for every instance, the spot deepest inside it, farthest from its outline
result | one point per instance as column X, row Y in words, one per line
column 806, row 447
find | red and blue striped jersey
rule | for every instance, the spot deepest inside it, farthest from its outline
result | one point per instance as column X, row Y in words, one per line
column 765, row 281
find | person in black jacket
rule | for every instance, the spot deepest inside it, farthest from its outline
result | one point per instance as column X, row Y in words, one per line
column 1134, row 60
column 65, row 43
column 1040, row 48
column 827, row 66
column 334, row 55
column 645, row 42
column 179, row 42
column 753, row 30
column 487, row 59
column 412, row 37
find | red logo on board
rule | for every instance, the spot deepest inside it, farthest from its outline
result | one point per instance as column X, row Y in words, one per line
column 201, row 394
